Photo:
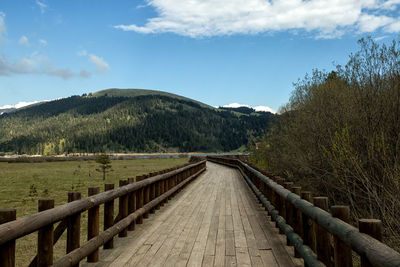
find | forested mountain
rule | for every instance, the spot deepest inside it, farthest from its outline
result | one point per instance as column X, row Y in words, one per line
column 127, row 121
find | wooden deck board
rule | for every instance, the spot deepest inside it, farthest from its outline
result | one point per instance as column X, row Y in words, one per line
column 214, row 221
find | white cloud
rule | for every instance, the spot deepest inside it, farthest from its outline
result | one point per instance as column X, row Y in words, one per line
column 43, row 42
column 265, row 109
column 141, row 6
column 369, row 23
column 19, row 105
column 100, row 64
column 24, row 40
column 3, row 28
column 82, row 53
column 42, row 6
column 393, row 27
column 257, row 108
column 324, row 18
column 390, row 5
column 235, row 105
column 379, row 38
column 37, row 64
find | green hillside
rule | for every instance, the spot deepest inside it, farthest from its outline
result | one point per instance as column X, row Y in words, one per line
column 132, row 120
column 114, row 92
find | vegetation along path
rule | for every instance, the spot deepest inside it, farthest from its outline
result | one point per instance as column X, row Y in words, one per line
column 214, row 221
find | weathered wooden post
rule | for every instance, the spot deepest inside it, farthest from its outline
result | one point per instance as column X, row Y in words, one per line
column 342, row 252
column 146, row 199
column 281, row 203
column 170, row 185
column 7, row 250
column 108, row 216
column 152, row 195
column 308, row 224
column 323, row 237
column 278, row 199
column 158, row 192
column 274, row 199
column 288, row 205
column 131, row 205
column 297, row 219
column 162, row 190
column 372, row 227
column 74, row 226
column 93, row 224
column 45, row 237
column 139, row 204
column 123, row 208
column 166, row 188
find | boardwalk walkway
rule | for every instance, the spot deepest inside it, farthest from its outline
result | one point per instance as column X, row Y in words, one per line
column 214, row 221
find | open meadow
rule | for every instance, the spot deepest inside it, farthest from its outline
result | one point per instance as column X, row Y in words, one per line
column 22, row 184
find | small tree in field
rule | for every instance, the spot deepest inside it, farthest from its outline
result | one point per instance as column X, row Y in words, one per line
column 105, row 164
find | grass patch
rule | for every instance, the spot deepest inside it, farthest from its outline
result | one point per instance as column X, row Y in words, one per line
column 22, row 184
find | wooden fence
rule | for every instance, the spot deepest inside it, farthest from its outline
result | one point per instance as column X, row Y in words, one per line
column 136, row 201
column 319, row 237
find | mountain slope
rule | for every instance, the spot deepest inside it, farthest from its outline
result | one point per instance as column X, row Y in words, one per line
column 126, row 121
column 114, row 92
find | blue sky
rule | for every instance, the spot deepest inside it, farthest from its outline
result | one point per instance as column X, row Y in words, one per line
column 217, row 52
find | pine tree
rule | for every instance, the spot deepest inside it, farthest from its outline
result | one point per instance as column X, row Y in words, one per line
column 105, row 164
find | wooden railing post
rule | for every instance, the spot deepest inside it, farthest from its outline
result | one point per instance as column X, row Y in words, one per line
column 281, row 203
column 372, row 227
column 108, row 216
column 162, row 190
column 288, row 213
column 139, row 204
column 123, row 208
column 45, row 237
column 323, row 238
column 131, row 205
column 7, row 250
column 170, row 185
column 308, row 224
column 74, row 225
column 146, row 199
column 166, row 188
column 158, row 193
column 93, row 224
column 297, row 218
column 342, row 252
column 152, row 195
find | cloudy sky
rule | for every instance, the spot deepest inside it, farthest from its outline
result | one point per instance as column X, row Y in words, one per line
column 215, row 51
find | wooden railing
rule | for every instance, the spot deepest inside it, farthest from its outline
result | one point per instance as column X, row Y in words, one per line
column 319, row 237
column 136, row 201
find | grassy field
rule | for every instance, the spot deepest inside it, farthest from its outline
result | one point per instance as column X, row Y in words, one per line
column 22, row 184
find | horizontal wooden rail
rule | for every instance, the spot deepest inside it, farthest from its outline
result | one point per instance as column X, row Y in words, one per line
column 31, row 223
column 310, row 258
column 370, row 249
column 136, row 201
column 89, row 247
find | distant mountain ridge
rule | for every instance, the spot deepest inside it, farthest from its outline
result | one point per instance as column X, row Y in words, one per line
column 127, row 120
column 7, row 110
column 114, row 92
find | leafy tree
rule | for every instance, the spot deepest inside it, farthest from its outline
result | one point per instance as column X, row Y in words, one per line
column 105, row 164
column 340, row 135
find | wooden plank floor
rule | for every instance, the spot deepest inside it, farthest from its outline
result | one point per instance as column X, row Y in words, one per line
column 214, row 221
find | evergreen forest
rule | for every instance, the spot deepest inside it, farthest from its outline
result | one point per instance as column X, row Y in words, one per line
column 128, row 121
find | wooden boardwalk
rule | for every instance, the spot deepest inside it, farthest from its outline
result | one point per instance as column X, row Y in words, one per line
column 214, row 221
